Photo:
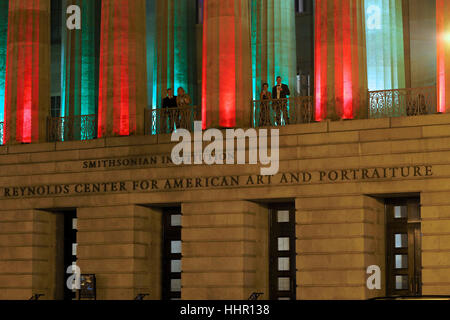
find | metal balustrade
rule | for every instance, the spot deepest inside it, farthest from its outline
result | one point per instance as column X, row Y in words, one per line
column 402, row 102
column 167, row 120
column 265, row 113
column 72, row 128
column 281, row 112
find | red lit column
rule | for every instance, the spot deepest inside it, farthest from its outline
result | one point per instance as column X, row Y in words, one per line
column 443, row 54
column 122, row 76
column 227, row 70
column 27, row 71
column 340, row 65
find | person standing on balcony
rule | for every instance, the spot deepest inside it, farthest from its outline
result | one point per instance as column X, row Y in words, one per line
column 280, row 93
column 169, row 106
column 264, row 110
column 183, row 100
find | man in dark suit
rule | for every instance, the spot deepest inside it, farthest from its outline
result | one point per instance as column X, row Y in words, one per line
column 280, row 94
column 169, row 106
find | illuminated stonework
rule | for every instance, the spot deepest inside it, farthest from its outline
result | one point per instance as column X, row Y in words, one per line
column 227, row 85
column 122, row 77
column 443, row 54
column 274, row 49
column 340, row 60
column 27, row 71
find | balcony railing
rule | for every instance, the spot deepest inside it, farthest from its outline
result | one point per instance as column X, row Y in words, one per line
column 402, row 102
column 296, row 110
column 159, row 121
column 72, row 128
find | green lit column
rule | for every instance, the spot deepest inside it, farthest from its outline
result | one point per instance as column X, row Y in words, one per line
column 3, row 44
column 274, row 49
column 175, row 47
column 385, row 46
column 79, row 84
column 152, row 61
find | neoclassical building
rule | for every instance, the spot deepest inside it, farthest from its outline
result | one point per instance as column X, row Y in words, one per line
column 87, row 181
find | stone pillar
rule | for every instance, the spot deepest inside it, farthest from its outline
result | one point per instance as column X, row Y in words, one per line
column 274, row 44
column 340, row 60
column 225, row 250
column 79, row 84
column 27, row 71
column 3, row 48
column 122, row 76
column 174, row 49
column 337, row 239
column 443, row 54
column 226, row 84
column 435, row 212
column 122, row 246
column 423, row 49
column 385, row 44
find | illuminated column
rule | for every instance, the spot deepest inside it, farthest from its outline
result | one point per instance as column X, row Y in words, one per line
column 274, row 45
column 385, row 46
column 226, row 84
column 27, row 71
column 443, row 54
column 175, row 47
column 79, row 60
column 340, row 66
column 152, row 56
column 3, row 46
column 122, row 76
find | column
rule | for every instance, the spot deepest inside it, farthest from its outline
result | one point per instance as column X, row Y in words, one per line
column 79, row 70
column 274, row 44
column 27, row 71
column 225, row 250
column 174, row 48
column 227, row 69
column 121, row 245
column 3, row 45
column 122, row 76
column 443, row 54
column 385, row 45
column 340, row 64
column 423, row 48
column 337, row 239
column 435, row 212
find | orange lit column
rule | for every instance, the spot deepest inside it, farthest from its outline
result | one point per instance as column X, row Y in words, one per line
column 27, row 71
column 340, row 66
column 443, row 54
column 227, row 69
column 122, row 76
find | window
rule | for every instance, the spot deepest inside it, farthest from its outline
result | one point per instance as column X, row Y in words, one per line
column 301, row 6
column 55, row 107
column 403, row 229
column 171, row 279
column 200, row 11
column 282, row 253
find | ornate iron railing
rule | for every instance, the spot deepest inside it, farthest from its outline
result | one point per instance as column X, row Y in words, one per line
column 283, row 112
column 402, row 102
column 160, row 121
column 72, row 128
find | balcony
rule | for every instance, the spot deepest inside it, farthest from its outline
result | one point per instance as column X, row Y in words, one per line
column 297, row 110
column 160, row 121
column 72, row 128
column 402, row 102
column 266, row 113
